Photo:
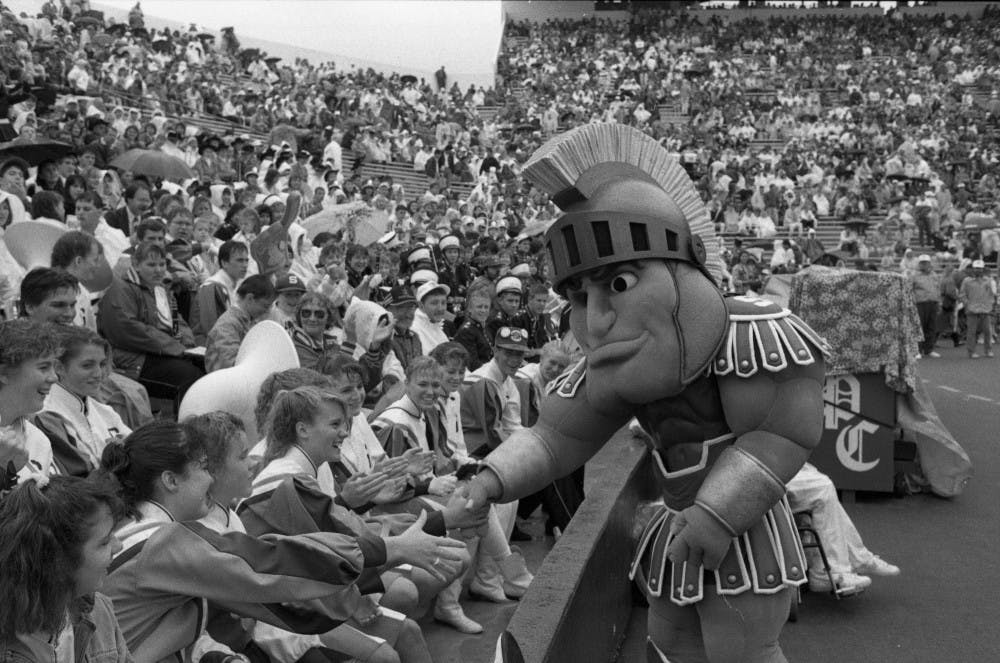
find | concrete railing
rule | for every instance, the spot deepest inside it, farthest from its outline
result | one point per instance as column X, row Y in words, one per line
column 579, row 604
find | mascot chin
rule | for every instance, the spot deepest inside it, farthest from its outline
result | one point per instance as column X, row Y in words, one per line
column 728, row 389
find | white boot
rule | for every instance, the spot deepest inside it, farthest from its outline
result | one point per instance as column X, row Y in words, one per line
column 449, row 611
column 487, row 583
column 516, row 576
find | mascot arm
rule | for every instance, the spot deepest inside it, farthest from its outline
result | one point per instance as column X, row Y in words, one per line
column 568, row 432
column 778, row 418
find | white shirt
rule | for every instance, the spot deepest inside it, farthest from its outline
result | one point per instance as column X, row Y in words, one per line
column 22, row 438
column 453, row 424
column 430, row 333
column 114, row 241
column 510, row 419
column 90, row 423
column 361, row 450
column 295, row 462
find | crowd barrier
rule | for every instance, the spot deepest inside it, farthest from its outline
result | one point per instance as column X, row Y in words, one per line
column 579, row 604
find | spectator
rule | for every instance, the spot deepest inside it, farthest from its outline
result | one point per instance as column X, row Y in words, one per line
column 218, row 292
column 254, row 298
column 432, row 306
column 28, row 356
column 73, row 411
column 59, row 543
column 137, row 204
column 978, row 295
column 851, row 563
column 139, row 317
column 927, row 294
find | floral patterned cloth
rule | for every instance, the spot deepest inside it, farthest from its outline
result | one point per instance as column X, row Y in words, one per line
column 868, row 318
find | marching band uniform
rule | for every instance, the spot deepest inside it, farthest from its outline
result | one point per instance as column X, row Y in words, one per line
column 167, row 572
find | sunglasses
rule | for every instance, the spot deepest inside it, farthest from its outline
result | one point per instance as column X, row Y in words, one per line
column 306, row 313
column 513, row 333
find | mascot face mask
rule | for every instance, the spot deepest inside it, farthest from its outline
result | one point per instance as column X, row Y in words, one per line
column 622, row 316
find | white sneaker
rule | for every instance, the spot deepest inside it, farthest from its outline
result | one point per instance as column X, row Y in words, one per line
column 936, row 355
column 876, row 566
column 848, row 584
column 454, row 617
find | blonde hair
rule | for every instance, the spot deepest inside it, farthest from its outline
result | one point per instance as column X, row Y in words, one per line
column 290, row 407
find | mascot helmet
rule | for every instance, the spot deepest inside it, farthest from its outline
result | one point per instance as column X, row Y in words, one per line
column 625, row 198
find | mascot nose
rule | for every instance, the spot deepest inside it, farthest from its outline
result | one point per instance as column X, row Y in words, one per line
column 600, row 315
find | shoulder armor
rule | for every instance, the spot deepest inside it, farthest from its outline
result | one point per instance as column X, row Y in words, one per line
column 763, row 335
column 567, row 384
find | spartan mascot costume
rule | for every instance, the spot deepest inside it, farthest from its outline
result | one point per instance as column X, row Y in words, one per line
column 729, row 390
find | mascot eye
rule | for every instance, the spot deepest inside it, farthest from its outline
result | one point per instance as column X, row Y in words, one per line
column 623, row 282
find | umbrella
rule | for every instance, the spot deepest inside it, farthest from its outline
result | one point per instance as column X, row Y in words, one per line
column 408, row 78
column 35, row 153
column 153, row 163
column 103, row 40
column 206, row 35
column 367, row 224
column 86, row 20
column 161, row 45
column 897, row 176
column 272, row 60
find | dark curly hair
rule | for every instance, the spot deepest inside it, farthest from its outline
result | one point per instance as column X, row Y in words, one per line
column 147, row 452
column 42, row 533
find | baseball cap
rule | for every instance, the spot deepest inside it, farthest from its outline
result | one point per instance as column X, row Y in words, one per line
column 511, row 338
column 290, row 283
column 431, row 287
column 924, row 258
column 400, row 296
column 978, row 264
column 509, row 284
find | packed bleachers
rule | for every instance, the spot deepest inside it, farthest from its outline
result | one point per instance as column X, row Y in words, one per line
column 181, row 191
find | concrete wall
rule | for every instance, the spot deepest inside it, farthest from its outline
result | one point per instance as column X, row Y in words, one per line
column 579, row 604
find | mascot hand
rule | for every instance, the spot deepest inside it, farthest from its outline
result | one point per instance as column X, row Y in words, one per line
column 698, row 539
column 484, row 488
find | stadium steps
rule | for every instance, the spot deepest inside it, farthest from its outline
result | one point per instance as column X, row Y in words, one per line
column 414, row 184
column 670, row 114
column 487, row 113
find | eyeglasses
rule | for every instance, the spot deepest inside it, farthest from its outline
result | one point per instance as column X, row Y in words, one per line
column 513, row 333
column 306, row 313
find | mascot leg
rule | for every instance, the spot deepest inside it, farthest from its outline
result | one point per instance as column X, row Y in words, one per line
column 743, row 628
column 717, row 629
column 674, row 633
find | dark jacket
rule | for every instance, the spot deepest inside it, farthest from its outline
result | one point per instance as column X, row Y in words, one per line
column 119, row 219
column 472, row 336
column 127, row 317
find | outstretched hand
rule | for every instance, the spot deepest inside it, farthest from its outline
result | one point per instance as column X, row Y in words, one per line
column 439, row 556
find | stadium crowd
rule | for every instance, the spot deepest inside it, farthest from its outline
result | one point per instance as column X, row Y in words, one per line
column 421, row 350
